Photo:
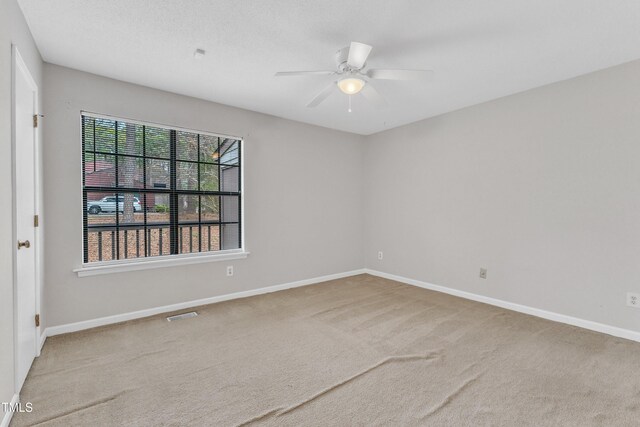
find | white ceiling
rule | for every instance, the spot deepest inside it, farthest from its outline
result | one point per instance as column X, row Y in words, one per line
column 480, row 49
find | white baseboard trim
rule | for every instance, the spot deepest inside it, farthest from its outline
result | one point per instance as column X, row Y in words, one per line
column 6, row 419
column 43, row 338
column 549, row 315
column 102, row 321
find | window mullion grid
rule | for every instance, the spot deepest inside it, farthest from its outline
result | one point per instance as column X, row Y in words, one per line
column 239, row 193
column 99, row 189
column 144, row 195
column 94, row 143
column 173, row 198
column 117, row 213
column 199, row 202
column 220, row 203
column 173, row 192
column 138, row 156
column 85, row 225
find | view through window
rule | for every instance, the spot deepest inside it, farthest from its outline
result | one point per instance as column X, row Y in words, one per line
column 154, row 191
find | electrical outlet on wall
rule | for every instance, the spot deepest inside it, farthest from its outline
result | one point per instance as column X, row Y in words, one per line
column 380, row 255
column 483, row 273
column 230, row 270
column 633, row 299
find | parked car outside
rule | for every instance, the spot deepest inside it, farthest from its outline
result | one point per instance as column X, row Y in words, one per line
column 108, row 204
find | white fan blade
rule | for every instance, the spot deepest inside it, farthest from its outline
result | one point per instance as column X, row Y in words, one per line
column 303, row 73
column 400, row 74
column 358, row 54
column 373, row 96
column 322, row 96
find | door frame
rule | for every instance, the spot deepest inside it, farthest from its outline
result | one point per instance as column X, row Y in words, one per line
column 19, row 65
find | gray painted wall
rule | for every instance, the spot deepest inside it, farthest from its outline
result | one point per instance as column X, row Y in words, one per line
column 542, row 188
column 295, row 228
column 13, row 30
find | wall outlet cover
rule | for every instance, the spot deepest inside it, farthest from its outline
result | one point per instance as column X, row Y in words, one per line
column 483, row 273
column 230, row 270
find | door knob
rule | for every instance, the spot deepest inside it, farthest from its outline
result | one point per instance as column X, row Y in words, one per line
column 25, row 244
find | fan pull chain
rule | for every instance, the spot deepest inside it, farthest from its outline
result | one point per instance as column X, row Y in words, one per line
column 349, row 103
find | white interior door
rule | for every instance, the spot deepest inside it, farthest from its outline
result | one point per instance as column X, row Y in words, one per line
column 25, row 94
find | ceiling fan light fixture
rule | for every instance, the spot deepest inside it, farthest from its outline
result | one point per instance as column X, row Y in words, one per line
column 351, row 85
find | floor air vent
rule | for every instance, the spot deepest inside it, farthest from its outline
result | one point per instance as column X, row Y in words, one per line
column 182, row 316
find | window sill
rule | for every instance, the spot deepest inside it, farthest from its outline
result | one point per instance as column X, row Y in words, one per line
column 157, row 262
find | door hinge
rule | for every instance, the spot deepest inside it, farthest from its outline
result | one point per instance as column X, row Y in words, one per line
column 35, row 119
column 36, row 221
column 37, row 320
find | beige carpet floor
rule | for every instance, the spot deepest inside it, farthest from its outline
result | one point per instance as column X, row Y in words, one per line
column 350, row 352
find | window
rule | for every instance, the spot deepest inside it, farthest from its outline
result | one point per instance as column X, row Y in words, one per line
column 151, row 191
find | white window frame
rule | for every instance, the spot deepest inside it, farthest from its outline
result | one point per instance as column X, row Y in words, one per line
column 146, row 263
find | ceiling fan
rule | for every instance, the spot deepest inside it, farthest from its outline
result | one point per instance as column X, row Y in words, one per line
column 351, row 77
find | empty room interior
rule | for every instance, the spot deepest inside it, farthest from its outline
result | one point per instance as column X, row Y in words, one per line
column 320, row 213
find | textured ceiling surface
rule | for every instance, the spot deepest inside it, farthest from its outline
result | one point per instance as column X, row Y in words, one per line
column 480, row 50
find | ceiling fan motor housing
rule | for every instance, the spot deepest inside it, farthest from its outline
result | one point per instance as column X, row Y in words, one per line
column 341, row 60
